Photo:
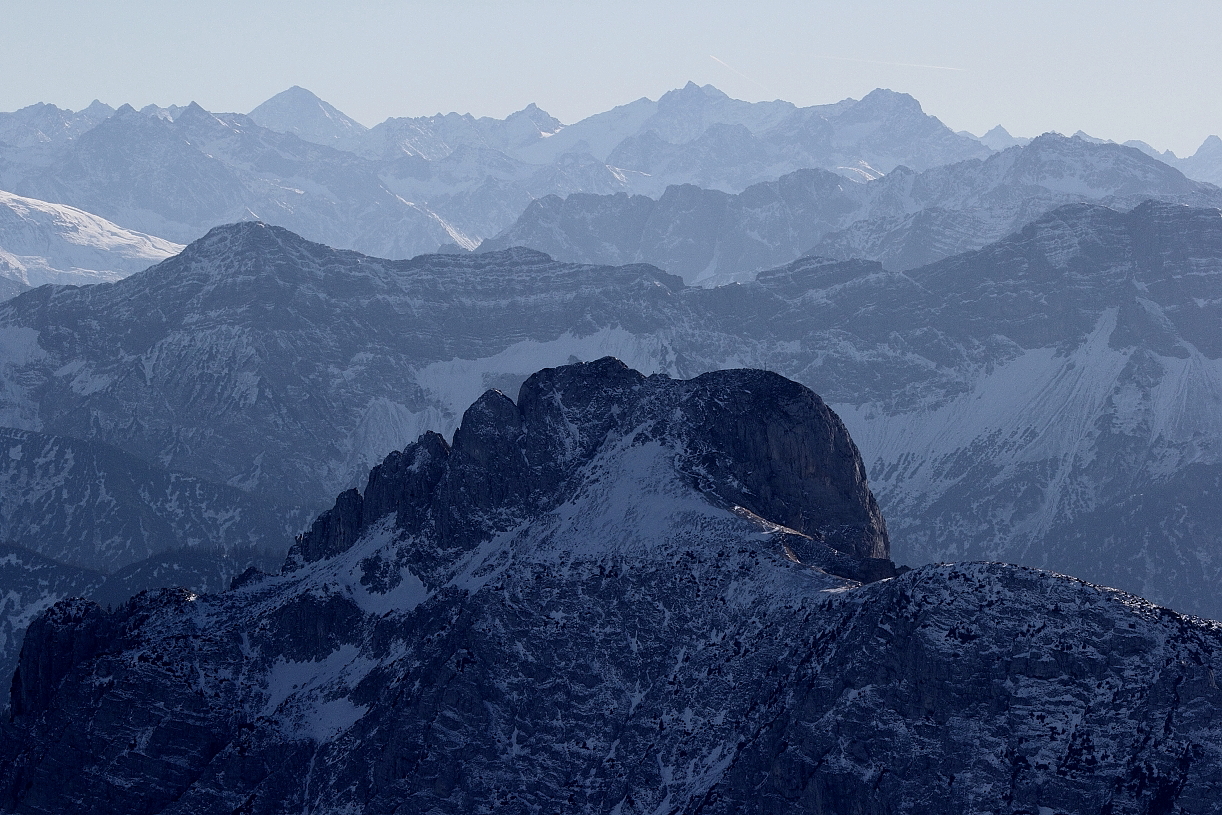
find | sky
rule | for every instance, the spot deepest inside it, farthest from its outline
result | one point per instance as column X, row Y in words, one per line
column 1117, row 69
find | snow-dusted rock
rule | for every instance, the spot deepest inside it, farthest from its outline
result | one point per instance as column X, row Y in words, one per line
column 615, row 639
column 81, row 519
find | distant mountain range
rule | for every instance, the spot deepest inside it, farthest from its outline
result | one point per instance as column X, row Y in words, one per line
column 904, row 219
column 409, row 185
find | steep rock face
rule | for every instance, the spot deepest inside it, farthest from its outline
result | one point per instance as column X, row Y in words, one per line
column 29, row 585
column 625, row 643
column 69, row 633
column 751, row 441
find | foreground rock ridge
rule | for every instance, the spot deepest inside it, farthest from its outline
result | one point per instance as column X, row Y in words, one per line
column 618, row 594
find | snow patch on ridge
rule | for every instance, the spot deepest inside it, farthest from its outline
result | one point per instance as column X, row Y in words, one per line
column 310, row 698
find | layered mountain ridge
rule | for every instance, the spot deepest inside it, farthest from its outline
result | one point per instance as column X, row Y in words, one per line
column 568, row 609
column 903, row 220
column 1018, row 397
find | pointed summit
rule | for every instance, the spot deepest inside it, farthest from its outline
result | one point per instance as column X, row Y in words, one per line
column 1206, row 163
column 97, row 109
column 300, row 112
column 1212, row 146
column 1000, row 139
column 540, row 119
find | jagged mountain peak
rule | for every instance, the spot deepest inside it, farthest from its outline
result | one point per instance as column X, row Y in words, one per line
column 541, row 119
column 1082, row 135
column 1000, row 139
column 1212, row 146
column 98, row 108
column 692, row 91
column 745, row 441
column 194, row 115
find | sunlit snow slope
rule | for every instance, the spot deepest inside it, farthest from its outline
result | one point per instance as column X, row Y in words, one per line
column 52, row 243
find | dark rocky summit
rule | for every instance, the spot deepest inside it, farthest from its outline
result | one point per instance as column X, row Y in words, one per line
column 618, row 594
column 750, row 441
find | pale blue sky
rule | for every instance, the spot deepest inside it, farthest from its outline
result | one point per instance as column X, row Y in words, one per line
column 1116, row 69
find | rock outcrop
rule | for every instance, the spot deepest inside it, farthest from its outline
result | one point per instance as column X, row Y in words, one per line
column 750, row 441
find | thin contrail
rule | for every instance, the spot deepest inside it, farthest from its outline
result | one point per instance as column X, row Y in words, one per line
column 744, row 76
column 877, row 62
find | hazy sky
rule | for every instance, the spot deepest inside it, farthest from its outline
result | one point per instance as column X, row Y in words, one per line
column 1121, row 70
